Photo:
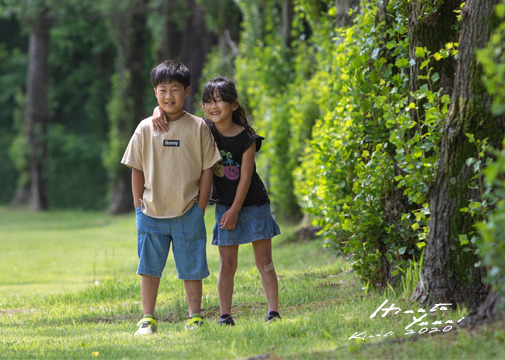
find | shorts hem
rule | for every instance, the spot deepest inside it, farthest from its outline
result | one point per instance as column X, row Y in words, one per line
column 150, row 272
column 192, row 277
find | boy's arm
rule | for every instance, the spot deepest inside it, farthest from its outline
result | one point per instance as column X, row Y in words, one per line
column 229, row 218
column 205, row 186
column 137, row 186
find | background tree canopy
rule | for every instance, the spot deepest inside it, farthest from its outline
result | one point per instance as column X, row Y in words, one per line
column 384, row 120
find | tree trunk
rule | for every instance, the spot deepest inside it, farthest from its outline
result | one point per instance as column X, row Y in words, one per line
column 286, row 23
column 36, row 117
column 449, row 274
column 343, row 7
column 488, row 311
column 196, row 44
column 121, row 200
column 432, row 31
column 189, row 45
column 130, row 38
column 171, row 41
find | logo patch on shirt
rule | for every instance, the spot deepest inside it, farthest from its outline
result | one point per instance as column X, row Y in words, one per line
column 172, row 143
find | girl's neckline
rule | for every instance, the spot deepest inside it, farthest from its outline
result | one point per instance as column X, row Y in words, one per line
column 230, row 136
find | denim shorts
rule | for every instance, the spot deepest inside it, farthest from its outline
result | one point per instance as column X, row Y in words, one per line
column 188, row 237
column 253, row 223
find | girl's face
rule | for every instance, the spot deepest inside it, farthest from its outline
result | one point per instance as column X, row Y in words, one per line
column 218, row 110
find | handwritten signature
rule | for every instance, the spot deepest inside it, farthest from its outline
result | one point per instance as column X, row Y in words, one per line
column 426, row 327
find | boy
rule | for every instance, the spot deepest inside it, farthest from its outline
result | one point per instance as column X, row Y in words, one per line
column 171, row 182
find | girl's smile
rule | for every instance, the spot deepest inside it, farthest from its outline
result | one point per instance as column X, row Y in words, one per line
column 220, row 112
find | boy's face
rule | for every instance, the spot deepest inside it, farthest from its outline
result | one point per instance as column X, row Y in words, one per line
column 171, row 97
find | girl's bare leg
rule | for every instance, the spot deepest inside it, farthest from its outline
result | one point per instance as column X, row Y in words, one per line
column 263, row 258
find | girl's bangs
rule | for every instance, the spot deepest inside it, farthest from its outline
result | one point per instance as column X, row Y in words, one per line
column 209, row 92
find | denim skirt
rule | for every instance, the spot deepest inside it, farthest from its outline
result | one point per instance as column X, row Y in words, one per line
column 253, row 223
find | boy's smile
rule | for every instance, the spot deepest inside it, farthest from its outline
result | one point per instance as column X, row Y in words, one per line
column 171, row 97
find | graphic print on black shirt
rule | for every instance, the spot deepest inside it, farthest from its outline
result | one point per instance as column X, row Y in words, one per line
column 227, row 167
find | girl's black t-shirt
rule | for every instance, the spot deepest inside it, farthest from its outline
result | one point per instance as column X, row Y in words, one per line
column 227, row 171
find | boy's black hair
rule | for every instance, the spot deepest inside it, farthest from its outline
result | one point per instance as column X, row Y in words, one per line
column 171, row 70
column 227, row 91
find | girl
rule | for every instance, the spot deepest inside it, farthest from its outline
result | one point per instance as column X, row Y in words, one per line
column 242, row 205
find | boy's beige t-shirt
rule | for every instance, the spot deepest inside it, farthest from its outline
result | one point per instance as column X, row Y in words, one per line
column 172, row 163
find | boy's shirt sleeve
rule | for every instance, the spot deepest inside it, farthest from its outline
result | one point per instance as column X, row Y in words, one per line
column 132, row 156
column 210, row 152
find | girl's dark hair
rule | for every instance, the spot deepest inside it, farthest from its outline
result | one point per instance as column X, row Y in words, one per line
column 225, row 88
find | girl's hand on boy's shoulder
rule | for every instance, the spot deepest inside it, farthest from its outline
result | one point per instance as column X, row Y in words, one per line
column 160, row 123
column 229, row 219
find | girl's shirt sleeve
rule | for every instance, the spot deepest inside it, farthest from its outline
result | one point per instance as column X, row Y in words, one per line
column 253, row 138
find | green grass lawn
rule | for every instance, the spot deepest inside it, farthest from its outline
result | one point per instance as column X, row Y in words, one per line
column 68, row 290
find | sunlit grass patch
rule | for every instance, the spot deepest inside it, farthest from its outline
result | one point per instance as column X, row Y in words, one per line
column 85, row 302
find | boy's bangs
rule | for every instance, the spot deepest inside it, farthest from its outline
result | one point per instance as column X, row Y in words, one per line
column 171, row 71
column 166, row 77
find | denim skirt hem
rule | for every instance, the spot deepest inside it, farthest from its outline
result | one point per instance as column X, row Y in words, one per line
column 253, row 223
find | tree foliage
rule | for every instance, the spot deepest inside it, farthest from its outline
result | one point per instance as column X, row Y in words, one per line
column 274, row 80
column 85, row 96
column 76, row 61
column 360, row 109
column 371, row 163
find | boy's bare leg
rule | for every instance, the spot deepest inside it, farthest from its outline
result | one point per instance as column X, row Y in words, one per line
column 263, row 258
column 149, row 291
column 193, row 295
column 227, row 269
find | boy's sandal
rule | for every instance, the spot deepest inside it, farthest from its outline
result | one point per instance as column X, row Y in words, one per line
column 194, row 321
column 147, row 326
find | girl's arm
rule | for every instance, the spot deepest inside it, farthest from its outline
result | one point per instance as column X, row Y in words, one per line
column 229, row 219
column 205, row 187
column 137, row 186
column 160, row 121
